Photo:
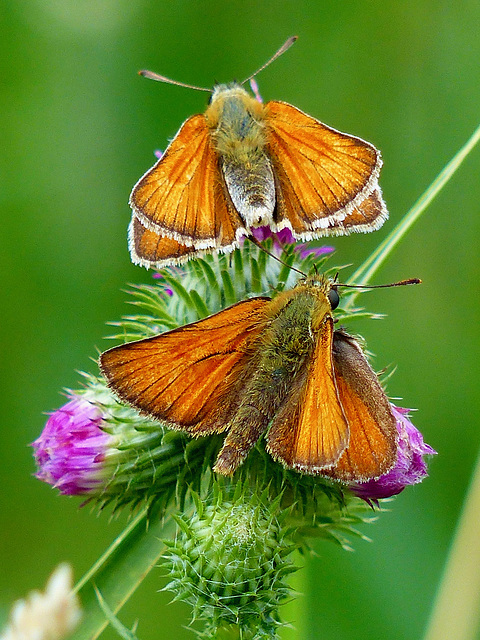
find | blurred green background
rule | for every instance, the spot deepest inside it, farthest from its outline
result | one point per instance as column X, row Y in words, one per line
column 79, row 127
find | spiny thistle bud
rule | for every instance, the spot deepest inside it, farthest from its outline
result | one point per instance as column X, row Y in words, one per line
column 230, row 560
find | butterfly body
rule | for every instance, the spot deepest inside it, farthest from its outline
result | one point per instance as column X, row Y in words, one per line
column 238, row 131
column 236, row 120
column 263, row 366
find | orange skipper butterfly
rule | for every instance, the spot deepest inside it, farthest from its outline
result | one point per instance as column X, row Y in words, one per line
column 244, row 164
column 274, row 366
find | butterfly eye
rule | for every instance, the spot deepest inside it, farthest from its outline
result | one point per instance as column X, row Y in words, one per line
column 333, row 298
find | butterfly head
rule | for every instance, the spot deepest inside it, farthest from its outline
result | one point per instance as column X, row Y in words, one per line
column 227, row 89
column 321, row 287
column 231, row 103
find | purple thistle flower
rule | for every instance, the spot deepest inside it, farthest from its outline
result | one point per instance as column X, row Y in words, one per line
column 285, row 236
column 71, row 449
column 262, row 233
column 305, row 250
column 410, row 467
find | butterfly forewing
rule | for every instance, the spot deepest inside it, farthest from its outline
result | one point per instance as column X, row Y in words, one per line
column 184, row 376
column 181, row 196
column 373, row 434
column 321, row 174
column 310, row 431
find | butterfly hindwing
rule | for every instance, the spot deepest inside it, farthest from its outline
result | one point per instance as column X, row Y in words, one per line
column 184, row 377
column 365, row 216
column 150, row 249
column 373, row 434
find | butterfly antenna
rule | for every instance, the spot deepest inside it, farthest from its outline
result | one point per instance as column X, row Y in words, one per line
column 155, row 76
column 286, row 45
column 401, row 283
column 272, row 255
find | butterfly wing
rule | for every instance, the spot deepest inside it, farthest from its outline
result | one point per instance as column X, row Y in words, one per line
column 368, row 215
column 185, row 377
column 182, row 196
column 310, row 431
column 322, row 176
column 372, row 449
column 150, row 249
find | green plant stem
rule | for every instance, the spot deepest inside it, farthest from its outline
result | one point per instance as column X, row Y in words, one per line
column 120, row 570
column 364, row 273
column 456, row 612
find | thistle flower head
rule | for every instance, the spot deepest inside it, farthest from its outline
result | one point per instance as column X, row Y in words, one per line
column 71, row 450
column 96, row 447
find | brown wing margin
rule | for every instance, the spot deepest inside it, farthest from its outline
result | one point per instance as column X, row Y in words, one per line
column 183, row 377
column 373, row 434
column 322, row 175
column 310, row 431
column 181, row 196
